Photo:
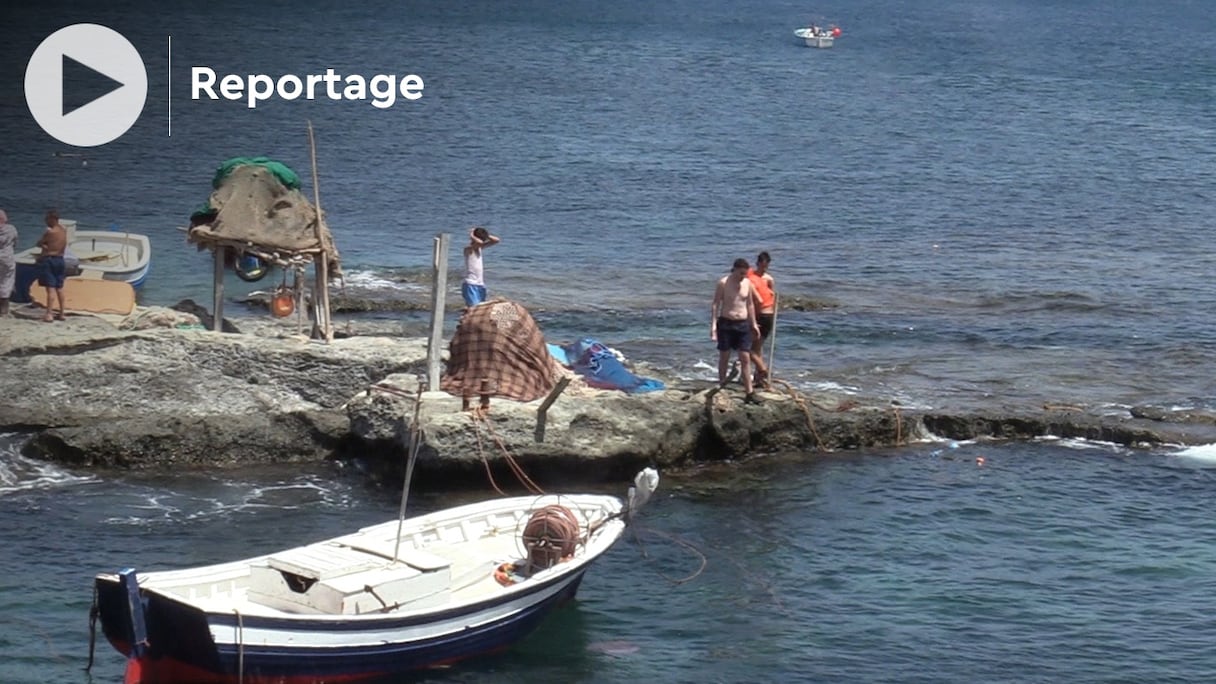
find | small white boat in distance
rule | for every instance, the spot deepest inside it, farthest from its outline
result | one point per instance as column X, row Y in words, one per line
column 818, row 37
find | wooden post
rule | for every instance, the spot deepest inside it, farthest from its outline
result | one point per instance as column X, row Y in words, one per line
column 542, row 413
column 772, row 342
column 439, row 286
column 217, row 306
column 297, row 293
column 320, row 303
column 322, row 283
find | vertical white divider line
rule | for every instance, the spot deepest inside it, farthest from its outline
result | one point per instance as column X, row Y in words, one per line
column 169, row 70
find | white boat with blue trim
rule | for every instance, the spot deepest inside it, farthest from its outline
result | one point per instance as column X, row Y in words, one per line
column 402, row 595
column 97, row 254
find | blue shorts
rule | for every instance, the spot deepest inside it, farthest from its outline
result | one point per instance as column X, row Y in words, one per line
column 473, row 294
column 734, row 335
column 51, row 272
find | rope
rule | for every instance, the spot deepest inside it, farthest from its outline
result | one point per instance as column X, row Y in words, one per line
column 484, row 461
column 802, row 402
column 518, row 470
column 676, row 582
column 847, row 405
column 552, row 533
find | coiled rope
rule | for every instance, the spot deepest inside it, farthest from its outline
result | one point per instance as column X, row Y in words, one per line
column 551, row 535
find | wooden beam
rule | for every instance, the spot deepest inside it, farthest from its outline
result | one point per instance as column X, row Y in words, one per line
column 322, row 284
column 542, row 413
column 439, row 286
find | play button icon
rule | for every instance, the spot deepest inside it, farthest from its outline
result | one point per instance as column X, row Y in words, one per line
column 77, row 96
column 86, row 85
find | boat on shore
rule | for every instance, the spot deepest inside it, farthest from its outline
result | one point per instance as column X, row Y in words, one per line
column 403, row 595
column 817, row 36
column 91, row 254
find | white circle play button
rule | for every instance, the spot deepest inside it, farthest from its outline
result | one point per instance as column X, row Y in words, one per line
column 86, row 85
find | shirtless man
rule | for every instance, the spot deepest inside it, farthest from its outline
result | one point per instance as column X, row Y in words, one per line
column 51, row 268
column 473, row 289
column 733, row 323
column 766, row 303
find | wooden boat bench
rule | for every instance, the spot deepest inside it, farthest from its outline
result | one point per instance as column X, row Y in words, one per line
column 336, row 579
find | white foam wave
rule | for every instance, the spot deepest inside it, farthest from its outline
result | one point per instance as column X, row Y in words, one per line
column 372, row 280
column 1080, row 444
column 152, row 505
column 1203, row 453
column 19, row 474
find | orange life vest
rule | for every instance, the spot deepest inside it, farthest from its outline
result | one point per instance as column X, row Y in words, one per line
column 763, row 291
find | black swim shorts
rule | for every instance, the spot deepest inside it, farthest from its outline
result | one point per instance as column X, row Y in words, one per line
column 765, row 321
column 734, row 335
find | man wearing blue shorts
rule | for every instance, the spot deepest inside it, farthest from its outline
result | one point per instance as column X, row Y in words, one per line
column 473, row 289
column 51, row 268
column 733, row 324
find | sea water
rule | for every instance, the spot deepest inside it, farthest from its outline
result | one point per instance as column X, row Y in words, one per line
column 1002, row 203
column 1029, row 562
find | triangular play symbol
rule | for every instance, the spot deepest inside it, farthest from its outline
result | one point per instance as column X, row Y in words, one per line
column 86, row 84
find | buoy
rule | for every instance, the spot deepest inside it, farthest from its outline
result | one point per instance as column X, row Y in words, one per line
column 282, row 304
column 250, row 268
column 835, row 31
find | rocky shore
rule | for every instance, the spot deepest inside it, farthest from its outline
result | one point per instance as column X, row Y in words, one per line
column 94, row 395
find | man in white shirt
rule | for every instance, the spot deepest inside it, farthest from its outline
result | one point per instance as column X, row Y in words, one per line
column 473, row 289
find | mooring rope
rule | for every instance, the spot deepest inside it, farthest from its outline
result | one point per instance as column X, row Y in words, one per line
column 687, row 545
column 514, row 465
column 805, row 402
column 802, row 402
column 481, row 453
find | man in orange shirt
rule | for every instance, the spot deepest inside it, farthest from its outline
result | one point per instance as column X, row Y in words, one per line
column 766, row 311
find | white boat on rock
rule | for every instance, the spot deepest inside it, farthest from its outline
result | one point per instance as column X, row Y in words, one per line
column 96, row 254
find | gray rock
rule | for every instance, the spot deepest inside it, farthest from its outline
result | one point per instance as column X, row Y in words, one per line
column 171, row 398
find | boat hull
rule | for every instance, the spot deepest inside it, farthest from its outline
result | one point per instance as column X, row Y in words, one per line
column 815, row 40
column 189, row 646
column 442, row 593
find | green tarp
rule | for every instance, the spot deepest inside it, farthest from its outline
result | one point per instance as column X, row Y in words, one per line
column 281, row 171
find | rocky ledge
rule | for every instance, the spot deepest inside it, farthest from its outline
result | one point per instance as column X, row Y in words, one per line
column 95, row 395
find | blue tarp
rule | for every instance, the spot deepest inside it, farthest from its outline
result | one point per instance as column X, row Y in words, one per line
column 597, row 364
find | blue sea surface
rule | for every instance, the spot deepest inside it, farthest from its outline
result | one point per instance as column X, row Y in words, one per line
column 1034, row 562
column 1003, row 202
